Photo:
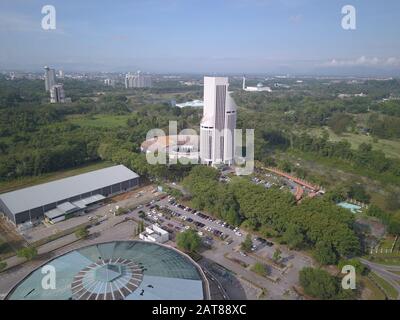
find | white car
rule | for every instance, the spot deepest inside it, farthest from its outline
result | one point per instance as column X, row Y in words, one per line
column 238, row 234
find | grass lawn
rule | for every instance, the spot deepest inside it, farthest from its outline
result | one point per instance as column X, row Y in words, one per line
column 387, row 242
column 389, row 290
column 391, row 259
column 344, row 168
column 375, row 292
column 391, row 148
column 100, row 121
column 23, row 182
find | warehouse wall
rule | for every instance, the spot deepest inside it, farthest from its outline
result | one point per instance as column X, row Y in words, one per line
column 37, row 213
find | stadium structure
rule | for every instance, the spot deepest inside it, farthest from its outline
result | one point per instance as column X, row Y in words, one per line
column 118, row 270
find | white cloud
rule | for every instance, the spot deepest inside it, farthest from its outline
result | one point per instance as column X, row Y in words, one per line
column 364, row 61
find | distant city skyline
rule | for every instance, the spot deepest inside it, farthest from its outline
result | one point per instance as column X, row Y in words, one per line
column 192, row 36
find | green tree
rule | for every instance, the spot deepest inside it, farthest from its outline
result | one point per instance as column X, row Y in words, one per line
column 358, row 192
column 142, row 215
column 277, row 255
column 247, row 243
column 141, row 226
column 356, row 263
column 3, row 265
column 82, row 233
column 294, row 237
column 121, row 211
column 188, row 240
column 318, row 283
column 260, row 269
column 29, row 253
column 392, row 201
column 324, row 253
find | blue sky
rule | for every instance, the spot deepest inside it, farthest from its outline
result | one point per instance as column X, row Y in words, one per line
column 222, row 36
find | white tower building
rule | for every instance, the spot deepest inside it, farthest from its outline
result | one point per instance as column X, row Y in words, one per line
column 57, row 94
column 49, row 78
column 137, row 80
column 218, row 123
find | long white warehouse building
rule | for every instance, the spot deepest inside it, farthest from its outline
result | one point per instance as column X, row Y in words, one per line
column 72, row 193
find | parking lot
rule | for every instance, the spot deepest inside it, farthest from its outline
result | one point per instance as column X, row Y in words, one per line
column 221, row 243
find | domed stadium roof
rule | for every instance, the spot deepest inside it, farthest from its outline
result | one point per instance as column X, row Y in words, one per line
column 129, row 270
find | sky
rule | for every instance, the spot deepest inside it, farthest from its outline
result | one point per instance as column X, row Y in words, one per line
column 203, row 36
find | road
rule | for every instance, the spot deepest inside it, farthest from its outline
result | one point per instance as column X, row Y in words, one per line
column 122, row 228
column 278, row 290
column 384, row 271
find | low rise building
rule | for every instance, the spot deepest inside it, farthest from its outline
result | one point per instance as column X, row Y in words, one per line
column 54, row 200
column 154, row 234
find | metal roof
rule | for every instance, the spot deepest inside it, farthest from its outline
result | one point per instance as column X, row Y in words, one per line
column 147, row 271
column 55, row 213
column 42, row 194
column 83, row 203
column 66, row 207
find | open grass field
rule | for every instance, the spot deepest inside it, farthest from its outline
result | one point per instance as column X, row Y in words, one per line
column 6, row 186
column 390, row 291
column 391, row 148
column 373, row 291
column 100, row 121
column 390, row 259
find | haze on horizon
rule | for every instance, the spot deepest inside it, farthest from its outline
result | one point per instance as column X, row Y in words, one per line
column 203, row 36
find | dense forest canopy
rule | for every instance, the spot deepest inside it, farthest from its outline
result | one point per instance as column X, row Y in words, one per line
column 37, row 137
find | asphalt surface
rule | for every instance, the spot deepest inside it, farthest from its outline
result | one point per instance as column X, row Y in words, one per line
column 384, row 271
column 122, row 228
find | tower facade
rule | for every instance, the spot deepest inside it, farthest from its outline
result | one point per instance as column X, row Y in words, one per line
column 218, row 123
column 49, row 77
column 138, row 80
column 57, row 94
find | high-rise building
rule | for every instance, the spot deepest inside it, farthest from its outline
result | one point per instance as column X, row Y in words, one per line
column 109, row 82
column 61, row 74
column 137, row 80
column 57, row 94
column 217, row 143
column 49, row 78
